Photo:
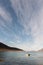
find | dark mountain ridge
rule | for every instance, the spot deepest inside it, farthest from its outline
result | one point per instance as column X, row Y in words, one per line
column 5, row 47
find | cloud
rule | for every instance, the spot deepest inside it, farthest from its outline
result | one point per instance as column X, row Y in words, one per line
column 25, row 11
column 30, row 19
column 5, row 15
column 30, row 16
column 5, row 21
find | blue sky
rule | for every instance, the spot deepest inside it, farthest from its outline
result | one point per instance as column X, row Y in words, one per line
column 21, row 23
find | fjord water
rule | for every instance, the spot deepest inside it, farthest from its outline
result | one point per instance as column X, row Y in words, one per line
column 20, row 58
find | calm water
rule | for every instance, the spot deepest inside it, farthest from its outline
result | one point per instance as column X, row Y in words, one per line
column 20, row 58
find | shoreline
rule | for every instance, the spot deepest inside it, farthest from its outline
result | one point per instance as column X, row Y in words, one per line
column 10, row 50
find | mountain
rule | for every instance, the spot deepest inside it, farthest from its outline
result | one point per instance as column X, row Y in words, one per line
column 4, row 47
column 41, row 50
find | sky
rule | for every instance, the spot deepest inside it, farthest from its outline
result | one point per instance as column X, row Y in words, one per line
column 21, row 23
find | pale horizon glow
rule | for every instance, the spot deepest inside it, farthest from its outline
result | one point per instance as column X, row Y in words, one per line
column 21, row 23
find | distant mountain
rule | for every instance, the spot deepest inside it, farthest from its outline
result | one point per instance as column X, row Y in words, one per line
column 41, row 50
column 4, row 47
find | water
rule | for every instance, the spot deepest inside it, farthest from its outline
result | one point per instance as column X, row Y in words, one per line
column 20, row 58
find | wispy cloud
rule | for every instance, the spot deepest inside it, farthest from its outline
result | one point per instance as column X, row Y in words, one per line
column 5, row 15
column 5, row 20
column 30, row 15
column 27, row 31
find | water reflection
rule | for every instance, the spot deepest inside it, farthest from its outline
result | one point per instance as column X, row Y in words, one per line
column 2, row 56
column 19, row 58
